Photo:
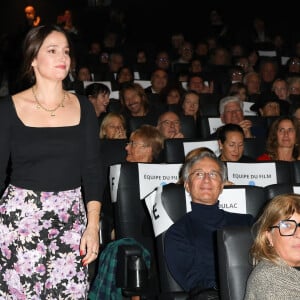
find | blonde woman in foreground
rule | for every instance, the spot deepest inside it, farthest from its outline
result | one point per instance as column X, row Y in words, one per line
column 276, row 251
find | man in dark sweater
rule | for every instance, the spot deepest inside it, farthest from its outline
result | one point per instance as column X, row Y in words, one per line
column 190, row 243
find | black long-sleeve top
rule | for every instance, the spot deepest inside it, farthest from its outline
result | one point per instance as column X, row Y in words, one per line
column 52, row 158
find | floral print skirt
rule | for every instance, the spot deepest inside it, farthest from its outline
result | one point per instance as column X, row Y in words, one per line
column 39, row 245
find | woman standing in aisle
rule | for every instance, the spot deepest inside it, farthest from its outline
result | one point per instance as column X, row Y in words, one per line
column 51, row 139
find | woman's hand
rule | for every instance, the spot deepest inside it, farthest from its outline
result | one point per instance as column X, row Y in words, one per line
column 89, row 245
column 120, row 134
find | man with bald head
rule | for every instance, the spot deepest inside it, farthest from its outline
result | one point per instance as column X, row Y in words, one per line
column 169, row 125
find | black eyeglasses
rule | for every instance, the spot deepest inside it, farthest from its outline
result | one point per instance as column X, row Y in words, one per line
column 200, row 174
column 169, row 123
column 134, row 144
column 162, row 59
column 286, row 227
column 237, row 73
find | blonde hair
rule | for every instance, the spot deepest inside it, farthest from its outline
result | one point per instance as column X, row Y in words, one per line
column 106, row 121
column 279, row 208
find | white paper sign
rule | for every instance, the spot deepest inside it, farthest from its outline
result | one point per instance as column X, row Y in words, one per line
column 296, row 189
column 184, row 84
column 154, row 175
column 143, row 83
column 284, row 60
column 136, row 75
column 114, row 176
column 114, row 95
column 247, row 110
column 214, row 124
column 233, row 200
column 213, row 145
column 259, row 174
column 160, row 218
column 271, row 53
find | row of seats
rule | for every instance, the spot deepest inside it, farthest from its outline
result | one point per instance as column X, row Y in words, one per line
column 136, row 218
column 113, row 151
column 205, row 125
column 175, row 150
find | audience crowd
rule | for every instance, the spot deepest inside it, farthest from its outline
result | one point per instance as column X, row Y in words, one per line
column 145, row 95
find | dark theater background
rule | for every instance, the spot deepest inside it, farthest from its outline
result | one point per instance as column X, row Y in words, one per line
column 153, row 20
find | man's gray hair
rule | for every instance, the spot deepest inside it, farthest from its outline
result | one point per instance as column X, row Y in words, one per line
column 229, row 99
column 187, row 166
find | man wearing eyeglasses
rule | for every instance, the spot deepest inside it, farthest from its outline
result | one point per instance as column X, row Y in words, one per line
column 190, row 247
column 169, row 125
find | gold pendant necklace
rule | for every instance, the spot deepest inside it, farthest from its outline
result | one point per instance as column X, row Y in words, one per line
column 51, row 111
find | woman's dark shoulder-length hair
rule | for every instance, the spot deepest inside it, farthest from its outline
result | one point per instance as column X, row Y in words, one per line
column 31, row 46
column 272, row 142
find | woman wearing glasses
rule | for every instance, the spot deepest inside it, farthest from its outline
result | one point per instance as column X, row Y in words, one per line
column 276, row 251
column 145, row 145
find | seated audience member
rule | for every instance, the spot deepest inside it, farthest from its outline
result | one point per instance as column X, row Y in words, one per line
column 238, row 89
column 235, row 74
column 295, row 112
column 169, row 125
column 269, row 71
column 275, row 251
column 115, row 62
column 195, row 65
column 242, row 61
column 195, row 82
column 231, row 143
column 159, row 81
column 231, row 111
column 190, row 245
column 253, row 58
column 134, row 103
column 191, row 105
column 84, row 74
column 293, row 67
column 280, row 87
column 125, row 74
column 185, row 51
column 294, row 85
column 171, row 96
column 270, row 106
column 113, row 126
column 145, row 145
column 98, row 94
column 190, row 155
column 32, row 18
column 141, row 65
column 294, row 89
column 283, row 140
column 252, row 81
column 201, row 51
column 162, row 61
column 78, row 74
